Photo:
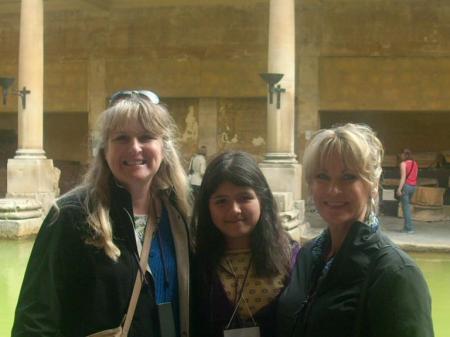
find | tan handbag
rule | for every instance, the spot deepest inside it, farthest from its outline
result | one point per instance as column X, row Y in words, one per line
column 122, row 329
column 117, row 332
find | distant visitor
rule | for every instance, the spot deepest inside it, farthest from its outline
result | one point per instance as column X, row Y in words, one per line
column 409, row 171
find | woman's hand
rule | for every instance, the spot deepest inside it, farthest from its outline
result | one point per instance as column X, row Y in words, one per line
column 398, row 192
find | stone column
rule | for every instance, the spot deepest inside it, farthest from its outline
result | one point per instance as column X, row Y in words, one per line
column 280, row 166
column 30, row 174
column 280, row 122
column 31, row 76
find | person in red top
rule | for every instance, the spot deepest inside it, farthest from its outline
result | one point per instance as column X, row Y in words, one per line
column 408, row 180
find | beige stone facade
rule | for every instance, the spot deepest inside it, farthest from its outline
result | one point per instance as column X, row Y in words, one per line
column 375, row 61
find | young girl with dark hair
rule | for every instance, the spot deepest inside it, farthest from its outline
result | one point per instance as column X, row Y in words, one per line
column 243, row 256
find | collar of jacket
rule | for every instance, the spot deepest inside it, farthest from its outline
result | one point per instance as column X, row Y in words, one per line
column 121, row 215
column 121, row 212
column 352, row 260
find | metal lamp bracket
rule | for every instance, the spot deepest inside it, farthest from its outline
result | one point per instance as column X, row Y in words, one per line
column 271, row 79
column 5, row 83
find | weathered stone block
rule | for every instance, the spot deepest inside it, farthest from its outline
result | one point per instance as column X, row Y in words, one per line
column 284, row 201
column 33, row 179
column 300, row 206
column 19, row 218
column 284, row 178
column 32, row 175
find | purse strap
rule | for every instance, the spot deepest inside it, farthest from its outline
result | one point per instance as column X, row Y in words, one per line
column 410, row 169
column 143, row 261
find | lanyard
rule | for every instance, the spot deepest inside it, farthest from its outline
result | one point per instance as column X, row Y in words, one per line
column 241, row 293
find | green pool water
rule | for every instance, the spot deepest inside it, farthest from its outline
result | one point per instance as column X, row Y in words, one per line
column 13, row 261
column 436, row 268
column 14, row 256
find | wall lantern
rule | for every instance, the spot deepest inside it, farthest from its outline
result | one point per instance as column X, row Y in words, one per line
column 5, row 83
column 271, row 79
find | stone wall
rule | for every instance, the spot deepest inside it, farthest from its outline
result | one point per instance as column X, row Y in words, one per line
column 356, row 58
column 180, row 52
column 242, row 125
column 423, row 131
column 376, row 61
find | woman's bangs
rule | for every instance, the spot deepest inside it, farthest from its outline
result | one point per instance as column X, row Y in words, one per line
column 124, row 112
column 336, row 149
column 152, row 119
column 355, row 161
column 118, row 116
column 352, row 159
column 331, row 149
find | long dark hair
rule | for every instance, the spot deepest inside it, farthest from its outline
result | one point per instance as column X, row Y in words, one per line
column 270, row 246
column 407, row 154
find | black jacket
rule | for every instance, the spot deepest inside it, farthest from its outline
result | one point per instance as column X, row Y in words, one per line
column 212, row 309
column 397, row 303
column 72, row 288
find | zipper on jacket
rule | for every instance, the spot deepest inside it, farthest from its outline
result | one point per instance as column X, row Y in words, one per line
column 304, row 312
column 305, row 309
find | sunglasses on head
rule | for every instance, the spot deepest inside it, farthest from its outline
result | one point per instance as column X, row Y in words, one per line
column 120, row 95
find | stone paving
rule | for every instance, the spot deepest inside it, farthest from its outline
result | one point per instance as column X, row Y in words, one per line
column 428, row 237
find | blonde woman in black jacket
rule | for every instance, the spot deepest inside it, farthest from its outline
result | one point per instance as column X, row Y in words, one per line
column 351, row 280
column 85, row 259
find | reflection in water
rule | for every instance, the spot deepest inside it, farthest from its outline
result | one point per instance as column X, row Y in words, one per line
column 436, row 268
column 13, row 260
column 14, row 256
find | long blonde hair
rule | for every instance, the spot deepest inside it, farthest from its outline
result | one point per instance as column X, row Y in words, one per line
column 155, row 119
column 357, row 146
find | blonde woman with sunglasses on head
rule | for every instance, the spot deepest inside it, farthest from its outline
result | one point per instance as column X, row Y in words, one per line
column 91, row 251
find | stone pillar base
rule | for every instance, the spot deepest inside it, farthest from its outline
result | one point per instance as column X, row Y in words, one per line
column 284, row 177
column 292, row 213
column 285, row 181
column 19, row 218
column 34, row 179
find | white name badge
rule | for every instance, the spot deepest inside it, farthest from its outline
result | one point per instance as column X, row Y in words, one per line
column 243, row 332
